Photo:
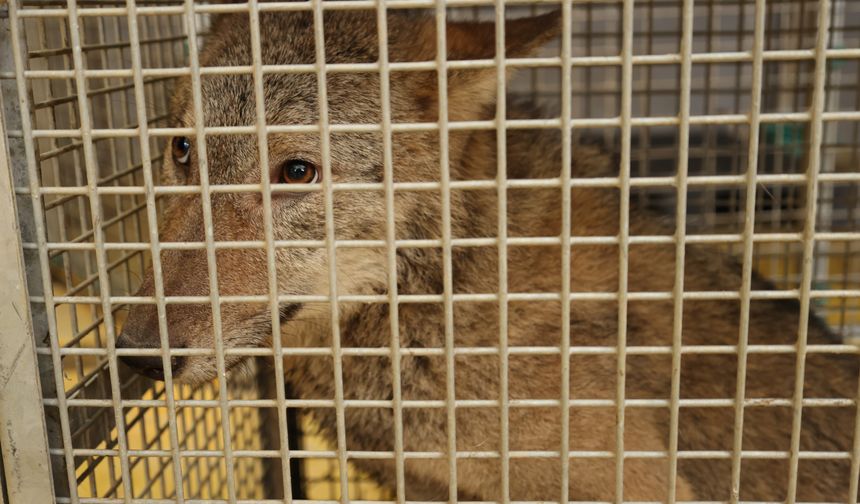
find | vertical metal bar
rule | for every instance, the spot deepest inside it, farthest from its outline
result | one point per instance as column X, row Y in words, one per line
column 214, row 294
column 391, row 250
column 502, row 230
column 815, row 140
column 152, row 218
column 271, row 257
column 566, row 210
column 447, row 276
column 331, row 246
column 680, row 240
column 23, row 438
column 748, row 246
column 623, row 239
column 90, row 162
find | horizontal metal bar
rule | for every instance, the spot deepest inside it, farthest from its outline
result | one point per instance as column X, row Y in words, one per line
column 779, row 117
column 64, row 500
column 597, row 182
column 429, row 352
column 460, row 403
column 461, row 242
column 461, row 298
column 577, row 61
column 59, row 51
column 514, row 454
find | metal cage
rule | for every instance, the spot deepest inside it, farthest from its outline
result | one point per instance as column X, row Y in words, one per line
column 677, row 89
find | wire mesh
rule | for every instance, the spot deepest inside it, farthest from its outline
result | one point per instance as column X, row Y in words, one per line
column 735, row 120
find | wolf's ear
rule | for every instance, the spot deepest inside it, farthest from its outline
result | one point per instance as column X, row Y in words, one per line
column 523, row 36
column 471, row 90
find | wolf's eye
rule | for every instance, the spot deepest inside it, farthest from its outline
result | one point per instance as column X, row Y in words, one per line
column 297, row 171
column 181, row 150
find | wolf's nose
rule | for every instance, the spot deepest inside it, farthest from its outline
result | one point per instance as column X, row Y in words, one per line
column 147, row 365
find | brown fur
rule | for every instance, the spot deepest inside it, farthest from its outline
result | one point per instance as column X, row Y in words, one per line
column 290, row 99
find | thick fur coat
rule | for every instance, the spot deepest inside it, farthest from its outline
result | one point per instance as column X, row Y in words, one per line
column 292, row 98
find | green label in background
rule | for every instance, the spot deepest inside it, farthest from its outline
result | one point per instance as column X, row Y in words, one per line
column 820, row 286
column 836, row 63
column 790, row 136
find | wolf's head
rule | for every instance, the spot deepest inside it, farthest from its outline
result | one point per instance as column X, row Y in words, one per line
column 295, row 160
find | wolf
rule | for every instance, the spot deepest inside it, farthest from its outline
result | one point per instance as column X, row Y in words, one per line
column 706, row 430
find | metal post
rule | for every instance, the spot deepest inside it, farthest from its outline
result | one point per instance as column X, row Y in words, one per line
column 23, row 438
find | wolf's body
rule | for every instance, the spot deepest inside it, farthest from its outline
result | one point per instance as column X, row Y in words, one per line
column 351, row 37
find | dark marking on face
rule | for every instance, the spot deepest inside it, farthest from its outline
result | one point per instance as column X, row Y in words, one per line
column 377, row 175
column 288, row 311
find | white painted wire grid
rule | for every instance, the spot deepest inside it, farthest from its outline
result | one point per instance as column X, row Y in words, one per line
column 817, row 126
column 564, row 345
column 680, row 246
column 391, row 251
column 158, row 278
column 626, row 122
column 749, row 231
column 274, row 307
column 447, row 267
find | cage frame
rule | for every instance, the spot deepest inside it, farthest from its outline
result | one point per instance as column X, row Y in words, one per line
column 22, row 414
column 809, row 236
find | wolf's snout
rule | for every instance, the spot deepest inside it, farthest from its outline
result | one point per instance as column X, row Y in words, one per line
column 150, row 366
